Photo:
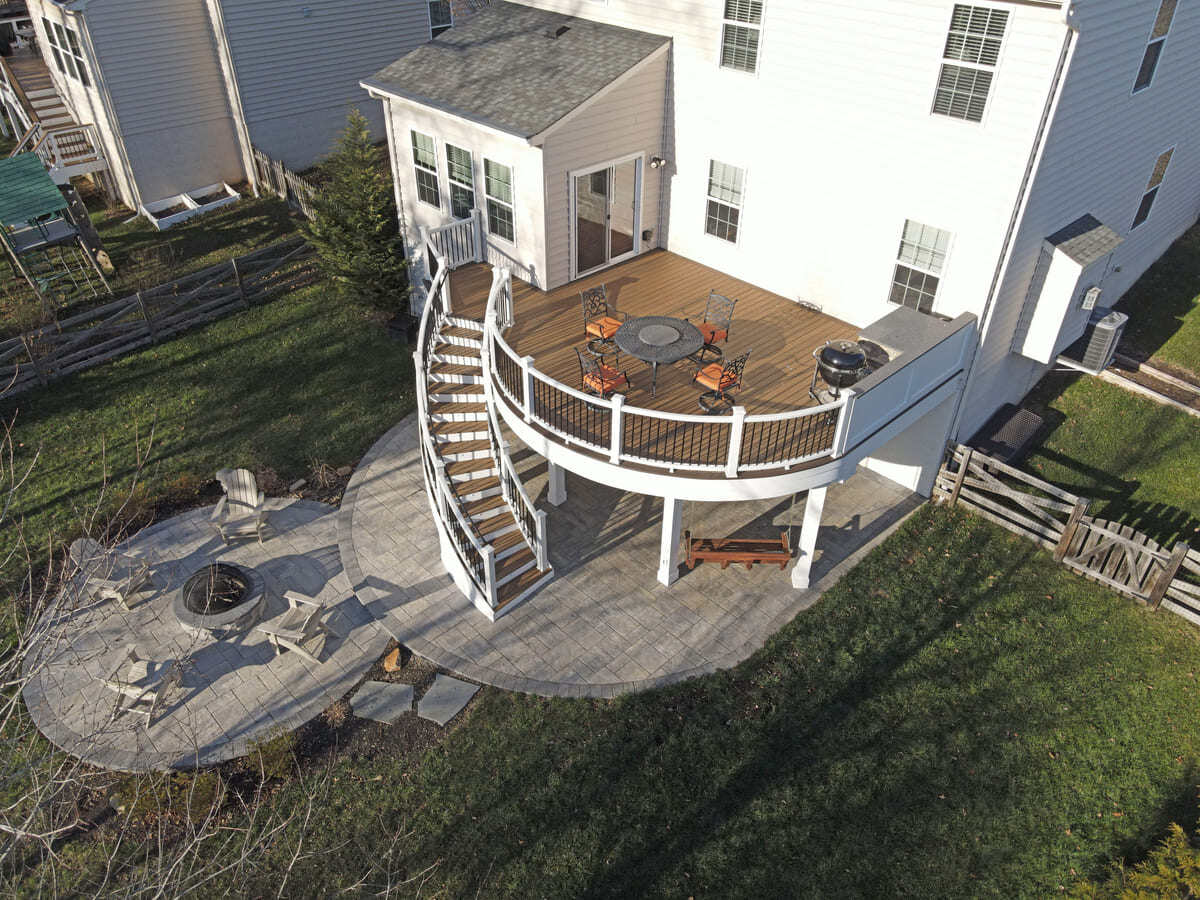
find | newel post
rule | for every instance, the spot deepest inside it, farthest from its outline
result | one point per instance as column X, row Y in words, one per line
column 527, row 383
column 489, row 574
column 543, row 551
column 842, row 431
column 735, row 442
column 618, row 414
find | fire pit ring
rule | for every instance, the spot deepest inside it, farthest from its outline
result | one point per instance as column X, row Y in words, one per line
column 220, row 599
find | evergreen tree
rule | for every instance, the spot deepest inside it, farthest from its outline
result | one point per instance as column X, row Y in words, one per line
column 355, row 230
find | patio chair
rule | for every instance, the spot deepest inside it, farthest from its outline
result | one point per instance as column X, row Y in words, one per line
column 600, row 322
column 721, row 379
column 598, row 378
column 718, row 317
column 301, row 624
column 108, row 574
column 144, row 686
column 241, row 512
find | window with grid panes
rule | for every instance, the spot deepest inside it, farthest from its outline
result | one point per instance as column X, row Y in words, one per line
column 919, row 264
column 425, row 166
column 973, row 48
column 497, row 187
column 1154, row 49
column 723, row 213
column 1156, row 179
column 67, row 52
column 461, row 174
column 741, row 32
column 440, row 17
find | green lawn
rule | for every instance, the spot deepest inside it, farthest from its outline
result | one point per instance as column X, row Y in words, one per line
column 1164, row 306
column 1137, row 459
column 958, row 717
column 304, row 378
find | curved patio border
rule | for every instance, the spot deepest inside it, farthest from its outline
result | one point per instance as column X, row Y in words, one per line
column 428, row 606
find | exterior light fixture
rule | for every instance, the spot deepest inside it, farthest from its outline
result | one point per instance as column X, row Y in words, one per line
column 657, row 162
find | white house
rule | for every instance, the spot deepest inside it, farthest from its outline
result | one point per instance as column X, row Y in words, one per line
column 962, row 183
column 172, row 95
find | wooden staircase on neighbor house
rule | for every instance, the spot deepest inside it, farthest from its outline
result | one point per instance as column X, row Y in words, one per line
column 504, row 545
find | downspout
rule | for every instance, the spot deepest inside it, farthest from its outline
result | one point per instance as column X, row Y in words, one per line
column 233, row 92
column 1022, row 202
column 114, row 124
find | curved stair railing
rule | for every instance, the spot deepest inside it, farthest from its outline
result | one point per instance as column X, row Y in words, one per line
column 494, row 538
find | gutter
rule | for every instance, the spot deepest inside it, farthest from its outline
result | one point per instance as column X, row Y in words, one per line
column 1066, row 54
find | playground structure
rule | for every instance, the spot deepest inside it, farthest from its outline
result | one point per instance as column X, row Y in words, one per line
column 45, row 241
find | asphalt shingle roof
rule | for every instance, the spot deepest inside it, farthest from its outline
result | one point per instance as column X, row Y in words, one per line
column 504, row 66
column 27, row 191
column 1086, row 240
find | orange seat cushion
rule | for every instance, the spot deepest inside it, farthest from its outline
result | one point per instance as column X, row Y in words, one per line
column 712, row 333
column 604, row 327
column 714, row 378
column 604, row 381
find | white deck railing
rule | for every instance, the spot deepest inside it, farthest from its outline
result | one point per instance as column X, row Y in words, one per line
column 461, row 241
column 70, row 147
column 736, row 444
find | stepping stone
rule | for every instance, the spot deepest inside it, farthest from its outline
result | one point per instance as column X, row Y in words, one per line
column 445, row 699
column 382, row 701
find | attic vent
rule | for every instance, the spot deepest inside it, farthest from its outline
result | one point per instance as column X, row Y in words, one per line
column 555, row 33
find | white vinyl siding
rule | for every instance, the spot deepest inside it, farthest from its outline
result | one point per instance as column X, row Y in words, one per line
column 1156, row 180
column 1154, row 49
column 424, row 156
column 723, row 211
column 919, row 264
column 498, row 187
column 973, row 48
column 460, row 173
column 741, row 34
column 440, row 17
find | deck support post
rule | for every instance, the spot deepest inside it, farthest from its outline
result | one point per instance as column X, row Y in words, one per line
column 557, row 490
column 672, row 529
column 814, row 507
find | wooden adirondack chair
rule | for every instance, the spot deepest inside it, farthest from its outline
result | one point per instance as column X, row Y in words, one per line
column 143, row 690
column 108, row 574
column 300, row 625
column 241, row 512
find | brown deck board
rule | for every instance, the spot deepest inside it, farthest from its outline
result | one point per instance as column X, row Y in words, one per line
column 781, row 334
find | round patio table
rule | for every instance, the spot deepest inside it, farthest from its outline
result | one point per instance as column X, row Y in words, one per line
column 658, row 339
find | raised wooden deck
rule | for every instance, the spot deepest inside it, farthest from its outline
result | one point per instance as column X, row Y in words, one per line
column 781, row 333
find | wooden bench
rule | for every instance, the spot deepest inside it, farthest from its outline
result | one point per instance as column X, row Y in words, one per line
column 747, row 551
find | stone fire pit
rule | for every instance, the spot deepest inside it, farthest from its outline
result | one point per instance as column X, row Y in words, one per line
column 220, row 599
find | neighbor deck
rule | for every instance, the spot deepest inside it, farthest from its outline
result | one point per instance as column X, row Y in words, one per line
column 780, row 333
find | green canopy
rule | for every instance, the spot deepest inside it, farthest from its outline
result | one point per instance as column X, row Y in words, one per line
column 27, row 191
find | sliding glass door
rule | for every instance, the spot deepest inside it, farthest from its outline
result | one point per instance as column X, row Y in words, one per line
column 607, row 209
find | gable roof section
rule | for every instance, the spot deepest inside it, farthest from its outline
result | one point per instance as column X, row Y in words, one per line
column 1086, row 240
column 27, row 191
column 515, row 68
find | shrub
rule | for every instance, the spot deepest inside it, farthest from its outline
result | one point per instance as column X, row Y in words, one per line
column 274, row 757
column 1171, row 871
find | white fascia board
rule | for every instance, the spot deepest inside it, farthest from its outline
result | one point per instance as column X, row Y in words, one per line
column 378, row 92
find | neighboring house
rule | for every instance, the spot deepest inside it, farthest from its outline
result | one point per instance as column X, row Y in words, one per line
column 177, row 92
column 1014, row 162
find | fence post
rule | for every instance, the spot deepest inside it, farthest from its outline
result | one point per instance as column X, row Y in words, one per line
column 736, row 431
column 237, row 273
column 1170, row 570
column 618, row 415
column 962, row 473
column 527, row 383
column 37, row 367
column 1072, row 526
column 146, row 315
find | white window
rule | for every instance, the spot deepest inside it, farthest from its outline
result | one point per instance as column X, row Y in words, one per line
column 1154, row 49
column 498, row 188
column 1156, row 179
column 440, row 17
column 68, row 54
column 919, row 264
column 741, row 32
column 425, row 165
column 461, row 174
column 973, row 45
column 726, row 187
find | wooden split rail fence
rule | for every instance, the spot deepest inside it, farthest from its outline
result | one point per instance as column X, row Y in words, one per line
column 122, row 326
column 295, row 189
column 1113, row 554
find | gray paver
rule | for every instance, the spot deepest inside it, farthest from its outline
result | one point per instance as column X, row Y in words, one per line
column 382, row 701
column 445, row 699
